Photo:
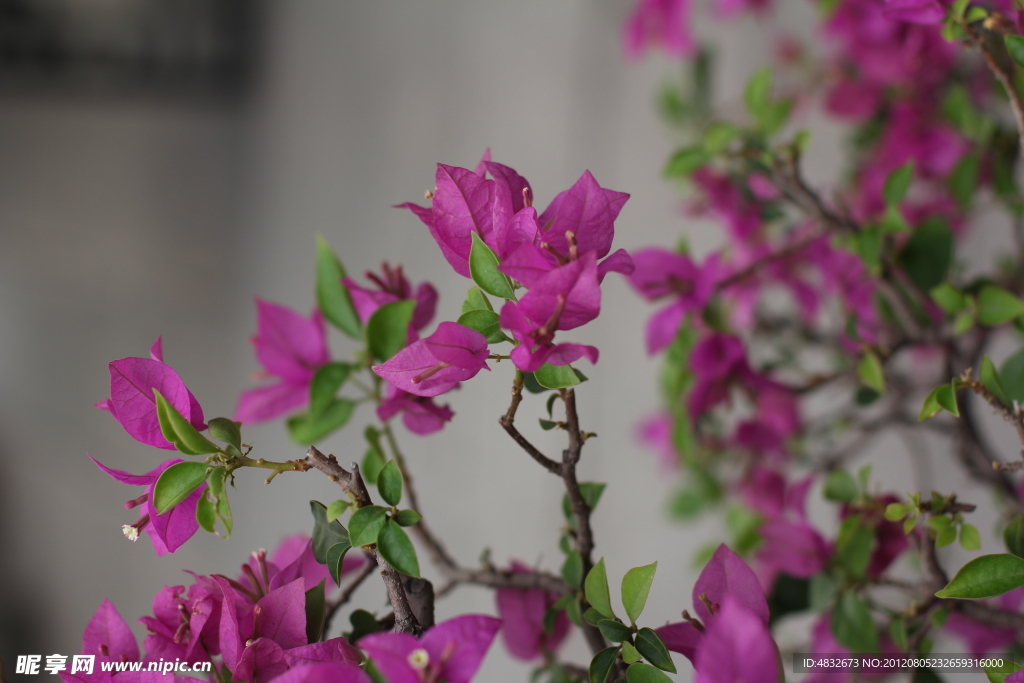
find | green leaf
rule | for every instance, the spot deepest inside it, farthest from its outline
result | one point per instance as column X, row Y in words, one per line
column 989, row 379
column 894, row 512
column 395, row 546
column 592, row 616
column 949, row 298
column 985, row 577
column 556, row 376
column 868, row 245
column 389, row 483
column 1011, row 376
column 614, row 630
column 629, row 653
column 645, row 673
column 718, row 135
column 941, row 398
column 653, row 650
column 757, row 94
column 325, row 534
column 388, row 328
column 206, row 514
column 928, row 253
column 596, row 589
column 686, row 161
column 636, row 585
column 898, row 633
column 307, row 428
column 602, row 663
column 373, row 461
column 997, row 674
column 963, row 180
column 326, row 382
column 590, row 491
column 774, row 116
column 1013, row 536
column 853, row 546
column 316, row 611
column 476, row 300
column 547, row 425
column 870, row 372
column 335, row 558
column 177, row 483
column 180, row 431
column 822, row 591
column 997, row 306
column 218, row 494
column 945, row 532
column 897, row 184
column 572, row 569
column 1015, row 46
column 852, row 624
column 970, row 539
column 484, row 322
column 408, row 517
column 336, row 509
column 483, row 267
column 332, row 295
column 366, row 524
column 841, row 487
column 228, row 431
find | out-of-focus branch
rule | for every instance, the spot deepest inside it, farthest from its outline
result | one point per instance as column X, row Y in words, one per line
column 1005, row 78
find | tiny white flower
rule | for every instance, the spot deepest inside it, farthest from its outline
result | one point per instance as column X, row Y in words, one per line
column 130, row 532
column 419, row 659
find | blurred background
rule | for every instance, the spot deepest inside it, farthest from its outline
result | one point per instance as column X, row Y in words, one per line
column 162, row 163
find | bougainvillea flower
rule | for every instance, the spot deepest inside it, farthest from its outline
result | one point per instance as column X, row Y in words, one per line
column 584, row 214
column 184, row 624
column 324, row 673
column 663, row 24
column 661, row 274
column 737, row 647
column 420, row 414
column 253, row 637
column 656, row 432
column 924, row 12
column 725, row 577
column 168, row 530
column 794, row 548
column 428, row 367
column 392, row 286
column 522, row 612
column 133, row 404
column 728, row 203
column 290, row 347
column 293, row 559
column 109, row 639
column 452, row 651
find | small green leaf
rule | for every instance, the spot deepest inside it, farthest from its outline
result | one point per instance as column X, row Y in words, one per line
column 645, row 673
column 592, row 616
column 897, row 184
column 316, row 611
column 483, row 267
column 325, row 534
column 218, row 494
column 1013, row 536
column 686, row 161
column 547, row 425
column 629, row 653
column 389, row 483
column 989, row 378
column 1011, row 376
column 1015, row 46
column 614, row 630
column 335, row 559
column 928, row 253
column 177, row 483
column 336, row 509
column 998, row 674
column 373, row 461
column 397, row 549
column 591, row 492
column 326, row 382
column 366, row 524
column 997, row 306
column 484, row 322
column 180, row 431
column 985, row 577
column 941, row 398
column 870, row 372
column 206, row 514
column 718, row 135
column 636, row 585
column 332, row 295
column 307, row 428
column 228, row 431
column 949, row 298
column 822, row 591
column 653, row 650
column 572, row 569
column 408, row 517
column 556, row 376
column 898, row 633
column 602, row 663
column 388, row 328
column 596, row 589
column 963, row 179
column 853, row 546
column 757, row 94
column 963, row 322
column 970, row 539
column 476, row 300
column 852, row 624
column 894, row 512
column 841, row 487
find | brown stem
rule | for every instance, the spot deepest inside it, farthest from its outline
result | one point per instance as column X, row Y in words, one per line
column 352, row 483
column 507, row 422
column 1005, row 77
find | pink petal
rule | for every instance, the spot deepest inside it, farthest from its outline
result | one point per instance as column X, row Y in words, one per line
column 588, row 211
column 465, row 640
column 178, row 524
column 135, row 479
column 619, row 262
column 522, row 613
column 737, row 647
column 390, row 654
column 528, row 264
column 575, row 284
column 262, row 661
column 107, row 629
column 323, row 673
column 663, row 327
column 727, row 575
column 269, row 402
column 289, row 345
column 156, row 351
column 682, row 637
column 132, row 381
column 405, row 371
column 334, row 650
column 461, row 206
column 563, row 354
column 459, row 346
column 283, row 617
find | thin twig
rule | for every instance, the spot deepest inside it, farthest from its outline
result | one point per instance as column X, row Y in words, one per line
column 1004, row 77
column 507, row 422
